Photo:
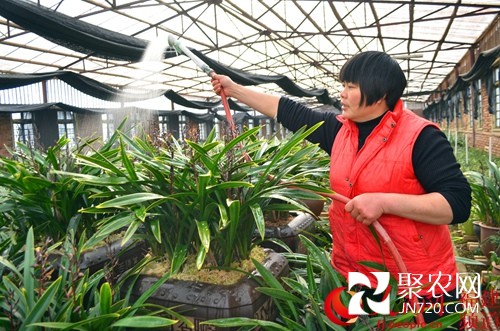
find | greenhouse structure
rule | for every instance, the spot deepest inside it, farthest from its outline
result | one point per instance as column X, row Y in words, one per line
column 230, row 165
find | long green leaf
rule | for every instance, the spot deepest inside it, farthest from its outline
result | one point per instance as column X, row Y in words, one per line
column 268, row 277
column 293, row 325
column 203, row 181
column 130, row 199
column 84, row 325
column 296, row 138
column 155, row 227
column 144, row 322
column 274, row 283
column 202, row 154
column 42, row 305
column 279, row 294
column 204, row 233
column 102, row 180
column 126, row 161
column 234, row 207
column 101, row 163
column 464, row 260
column 243, row 321
column 105, row 298
column 251, row 132
column 229, row 185
column 131, row 230
column 311, row 281
column 179, row 256
column 110, row 226
column 28, row 272
column 200, row 257
column 8, row 264
column 259, row 219
column 319, row 255
column 58, row 326
column 17, row 294
column 36, row 183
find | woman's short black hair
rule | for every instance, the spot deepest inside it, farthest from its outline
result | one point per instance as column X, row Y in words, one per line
column 378, row 76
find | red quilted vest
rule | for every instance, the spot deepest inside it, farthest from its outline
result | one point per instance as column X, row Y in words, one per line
column 384, row 164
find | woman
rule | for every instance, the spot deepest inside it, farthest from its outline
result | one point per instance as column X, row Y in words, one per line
column 395, row 166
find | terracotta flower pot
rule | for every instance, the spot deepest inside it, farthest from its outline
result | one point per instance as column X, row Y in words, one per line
column 495, row 268
column 486, row 232
column 477, row 229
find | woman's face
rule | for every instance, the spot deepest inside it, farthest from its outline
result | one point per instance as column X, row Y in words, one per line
column 350, row 98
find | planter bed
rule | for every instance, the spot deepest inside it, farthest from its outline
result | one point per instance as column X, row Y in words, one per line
column 201, row 301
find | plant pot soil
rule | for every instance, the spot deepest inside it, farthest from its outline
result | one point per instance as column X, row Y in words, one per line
column 201, row 301
column 289, row 233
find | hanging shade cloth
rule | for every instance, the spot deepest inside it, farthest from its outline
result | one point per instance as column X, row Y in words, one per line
column 481, row 69
column 81, row 83
column 104, row 92
column 40, row 107
column 95, row 41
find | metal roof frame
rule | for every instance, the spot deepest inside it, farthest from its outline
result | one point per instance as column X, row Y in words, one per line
column 308, row 41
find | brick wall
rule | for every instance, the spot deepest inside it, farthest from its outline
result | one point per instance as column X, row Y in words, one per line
column 484, row 135
column 6, row 134
column 487, row 135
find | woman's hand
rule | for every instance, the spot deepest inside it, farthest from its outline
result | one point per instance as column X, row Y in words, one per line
column 430, row 208
column 264, row 103
column 366, row 208
column 221, row 82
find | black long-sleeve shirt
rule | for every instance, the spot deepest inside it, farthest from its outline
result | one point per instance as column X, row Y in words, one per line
column 434, row 163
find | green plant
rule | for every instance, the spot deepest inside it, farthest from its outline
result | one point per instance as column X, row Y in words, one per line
column 493, row 282
column 494, row 240
column 486, row 194
column 472, row 159
column 36, row 192
column 309, row 160
column 33, row 295
column 494, row 256
column 202, row 198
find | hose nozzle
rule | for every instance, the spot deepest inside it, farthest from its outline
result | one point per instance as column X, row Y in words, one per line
column 181, row 49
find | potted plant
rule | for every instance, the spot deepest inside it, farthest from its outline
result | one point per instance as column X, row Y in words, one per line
column 34, row 196
column 196, row 202
column 31, row 298
column 486, row 203
column 495, row 262
column 39, row 191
